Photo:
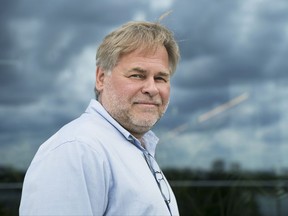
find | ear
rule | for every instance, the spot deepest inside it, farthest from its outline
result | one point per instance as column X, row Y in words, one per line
column 100, row 74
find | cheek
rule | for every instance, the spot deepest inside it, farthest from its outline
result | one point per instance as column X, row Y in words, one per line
column 123, row 90
column 165, row 94
column 129, row 90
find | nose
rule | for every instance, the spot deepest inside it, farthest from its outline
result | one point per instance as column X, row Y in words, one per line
column 149, row 87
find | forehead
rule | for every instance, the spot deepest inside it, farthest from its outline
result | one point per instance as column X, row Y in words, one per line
column 157, row 57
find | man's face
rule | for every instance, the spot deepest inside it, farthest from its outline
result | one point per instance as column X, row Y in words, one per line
column 136, row 92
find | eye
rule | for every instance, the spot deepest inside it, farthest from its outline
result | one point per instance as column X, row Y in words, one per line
column 137, row 76
column 161, row 79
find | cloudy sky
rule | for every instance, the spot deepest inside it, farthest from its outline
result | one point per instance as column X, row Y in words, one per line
column 229, row 94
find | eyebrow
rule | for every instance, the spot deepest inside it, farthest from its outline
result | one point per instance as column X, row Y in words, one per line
column 138, row 69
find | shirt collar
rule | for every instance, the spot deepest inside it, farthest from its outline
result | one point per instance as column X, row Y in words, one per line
column 150, row 139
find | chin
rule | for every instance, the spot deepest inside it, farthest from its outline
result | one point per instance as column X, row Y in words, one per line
column 146, row 124
column 144, row 120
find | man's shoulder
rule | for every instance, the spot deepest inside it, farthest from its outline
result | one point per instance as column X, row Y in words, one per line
column 88, row 131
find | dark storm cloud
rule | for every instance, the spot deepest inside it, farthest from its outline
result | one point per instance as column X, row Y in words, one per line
column 102, row 12
column 241, row 40
column 5, row 40
column 199, row 100
column 11, row 75
column 200, row 24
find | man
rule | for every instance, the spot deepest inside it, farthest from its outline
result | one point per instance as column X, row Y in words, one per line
column 103, row 162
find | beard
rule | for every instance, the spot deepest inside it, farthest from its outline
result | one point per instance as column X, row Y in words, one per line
column 134, row 118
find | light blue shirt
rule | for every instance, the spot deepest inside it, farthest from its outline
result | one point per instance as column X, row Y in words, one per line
column 93, row 166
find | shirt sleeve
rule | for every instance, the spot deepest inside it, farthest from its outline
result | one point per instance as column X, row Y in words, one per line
column 71, row 179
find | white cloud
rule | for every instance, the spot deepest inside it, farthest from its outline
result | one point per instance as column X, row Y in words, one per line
column 161, row 4
column 139, row 16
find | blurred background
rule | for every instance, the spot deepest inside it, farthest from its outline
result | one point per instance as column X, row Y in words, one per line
column 223, row 144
